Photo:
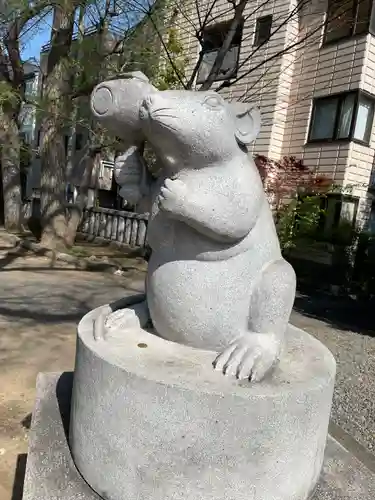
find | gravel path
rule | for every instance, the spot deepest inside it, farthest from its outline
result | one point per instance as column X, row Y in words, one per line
column 354, row 349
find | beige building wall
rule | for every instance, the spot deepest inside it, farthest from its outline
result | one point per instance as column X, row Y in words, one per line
column 267, row 83
column 259, row 82
column 321, row 71
column 284, row 88
column 361, row 159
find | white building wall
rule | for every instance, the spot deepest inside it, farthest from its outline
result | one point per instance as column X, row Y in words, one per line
column 284, row 87
column 321, row 71
column 259, row 80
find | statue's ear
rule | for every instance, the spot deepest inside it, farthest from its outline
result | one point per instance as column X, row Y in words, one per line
column 247, row 121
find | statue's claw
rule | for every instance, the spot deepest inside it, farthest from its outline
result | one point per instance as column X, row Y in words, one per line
column 249, row 357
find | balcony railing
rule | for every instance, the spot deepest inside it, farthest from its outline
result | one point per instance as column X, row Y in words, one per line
column 123, row 227
column 90, row 31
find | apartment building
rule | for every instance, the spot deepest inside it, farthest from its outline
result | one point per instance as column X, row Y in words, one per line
column 28, row 117
column 310, row 67
column 102, row 189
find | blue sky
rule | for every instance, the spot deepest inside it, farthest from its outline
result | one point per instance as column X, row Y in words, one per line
column 35, row 35
column 33, row 46
column 38, row 33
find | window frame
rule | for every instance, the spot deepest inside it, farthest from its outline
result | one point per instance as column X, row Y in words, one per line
column 30, row 78
column 338, row 199
column 66, row 144
column 256, row 42
column 341, row 99
column 369, row 29
column 212, row 28
column 78, row 141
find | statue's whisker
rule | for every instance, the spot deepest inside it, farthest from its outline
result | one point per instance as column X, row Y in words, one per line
column 160, row 115
column 165, row 125
column 160, row 109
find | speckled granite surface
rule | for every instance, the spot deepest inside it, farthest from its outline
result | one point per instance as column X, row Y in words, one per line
column 51, row 473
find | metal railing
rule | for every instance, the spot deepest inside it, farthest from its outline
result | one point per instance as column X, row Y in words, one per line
column 115, row 225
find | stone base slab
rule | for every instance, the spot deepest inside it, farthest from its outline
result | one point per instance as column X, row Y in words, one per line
column 51, row 473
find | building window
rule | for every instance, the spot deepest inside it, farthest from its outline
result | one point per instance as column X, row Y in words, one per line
column 345, row 19
column 79, row 142
column 338, row 217
column 371, row 221
column 29, row 87
column 365, row 116
column 262, row 30
column 66, row 144
column 347, row 116
column 27, row 136
column 27, row 115
column 213, row 39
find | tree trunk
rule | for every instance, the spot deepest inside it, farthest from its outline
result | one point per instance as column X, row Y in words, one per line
column 93, row 158
column 53, row 186
column 10, row 168
column 90, row 162
column 57, row 111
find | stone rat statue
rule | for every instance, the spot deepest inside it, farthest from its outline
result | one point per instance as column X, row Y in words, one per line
column 216, row 279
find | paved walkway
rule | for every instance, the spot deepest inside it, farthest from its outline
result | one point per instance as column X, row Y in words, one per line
column 39, row 310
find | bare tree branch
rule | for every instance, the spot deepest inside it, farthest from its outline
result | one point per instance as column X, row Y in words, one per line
column 239, row 9
column 170, row 59
column 290, row 47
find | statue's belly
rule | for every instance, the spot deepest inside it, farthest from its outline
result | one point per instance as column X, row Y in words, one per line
column 202, row 304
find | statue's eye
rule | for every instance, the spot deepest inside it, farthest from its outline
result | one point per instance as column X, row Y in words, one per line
column 213, row 101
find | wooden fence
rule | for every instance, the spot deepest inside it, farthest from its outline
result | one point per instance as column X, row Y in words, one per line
column 115, row 225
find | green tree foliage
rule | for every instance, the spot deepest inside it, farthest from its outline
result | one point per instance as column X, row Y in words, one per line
column 294, row 192
column 168, row 75
column 17, row 19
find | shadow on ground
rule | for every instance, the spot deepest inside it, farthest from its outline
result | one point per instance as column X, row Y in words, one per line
column 43, row 307
column 5, row 248
column 343, row 313
column 19, row 477
column 26, row 422
column 12, row 255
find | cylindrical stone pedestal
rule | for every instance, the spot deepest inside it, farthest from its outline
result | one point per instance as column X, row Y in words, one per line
column 152, row 420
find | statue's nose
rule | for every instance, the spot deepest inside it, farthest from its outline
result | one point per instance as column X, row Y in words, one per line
column 101, row 100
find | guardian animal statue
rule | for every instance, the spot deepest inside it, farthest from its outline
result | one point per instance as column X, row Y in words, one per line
column 216, row 279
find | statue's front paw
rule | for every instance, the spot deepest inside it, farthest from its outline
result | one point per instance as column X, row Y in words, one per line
column 123, row 319
column 250, row 357
column 118, row 322
column 172, row 197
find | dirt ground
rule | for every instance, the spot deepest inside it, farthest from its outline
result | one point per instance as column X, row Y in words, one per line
column 39, row 310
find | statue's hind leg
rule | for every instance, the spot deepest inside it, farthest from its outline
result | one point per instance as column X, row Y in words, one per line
column 255, row 351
